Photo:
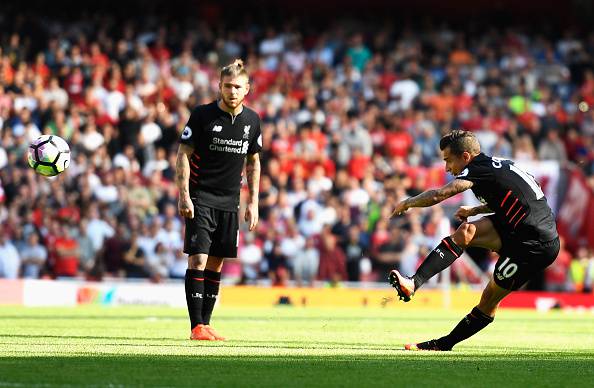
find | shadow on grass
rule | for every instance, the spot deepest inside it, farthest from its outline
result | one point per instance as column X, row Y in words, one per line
column 406, row 369
column 177, row 342
column 221, row 318
column 81, row 317
column 278, row 344
column 92, row 337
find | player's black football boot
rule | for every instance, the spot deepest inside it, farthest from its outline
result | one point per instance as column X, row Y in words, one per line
column 405, row 287
column 427, row 345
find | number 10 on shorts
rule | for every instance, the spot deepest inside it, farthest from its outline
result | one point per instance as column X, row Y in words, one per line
column 507, row 270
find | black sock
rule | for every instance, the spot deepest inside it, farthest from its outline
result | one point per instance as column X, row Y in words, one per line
column 212, row 281
column 194, row 295
column 439, row 259
column 469, row 326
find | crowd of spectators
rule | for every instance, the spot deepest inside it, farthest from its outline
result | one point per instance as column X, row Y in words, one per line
column 351, row 120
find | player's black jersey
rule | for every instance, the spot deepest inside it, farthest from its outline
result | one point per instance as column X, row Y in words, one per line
column 513, row 195
column 221, row 142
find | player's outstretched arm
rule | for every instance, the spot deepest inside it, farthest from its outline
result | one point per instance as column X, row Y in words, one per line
column 182, row 180
column 466, row 211
column 432, row 197
column 252, row 169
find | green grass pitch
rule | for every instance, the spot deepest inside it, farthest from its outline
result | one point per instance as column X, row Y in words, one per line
column 289, row 347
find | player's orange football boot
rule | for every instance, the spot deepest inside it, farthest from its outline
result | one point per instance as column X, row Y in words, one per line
column 405, row 287
column 411, row 347
column 200, row 333
column 214, row 333
column 427, row 345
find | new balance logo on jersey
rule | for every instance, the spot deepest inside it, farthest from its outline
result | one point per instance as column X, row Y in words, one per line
column 217, row 128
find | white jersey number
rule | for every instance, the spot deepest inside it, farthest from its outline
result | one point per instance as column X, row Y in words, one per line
column 528, row 179
column 524, row 175
column 507, row 270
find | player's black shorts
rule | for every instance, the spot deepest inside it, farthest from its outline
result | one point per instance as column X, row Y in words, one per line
column 519, row 260
column 213, row 232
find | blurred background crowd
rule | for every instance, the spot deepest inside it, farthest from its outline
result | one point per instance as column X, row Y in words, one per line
column 352, row 113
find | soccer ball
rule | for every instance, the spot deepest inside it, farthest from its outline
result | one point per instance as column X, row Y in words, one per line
column 49, row 155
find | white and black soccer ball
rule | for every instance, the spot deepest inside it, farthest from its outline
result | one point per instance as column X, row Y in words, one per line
column 49, row 155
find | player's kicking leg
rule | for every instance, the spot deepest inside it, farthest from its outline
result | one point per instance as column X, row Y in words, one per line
column 510, row 274
column 480, row 233
column 475, row 321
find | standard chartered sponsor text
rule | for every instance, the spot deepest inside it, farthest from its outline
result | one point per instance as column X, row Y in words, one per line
column 229, row 142
column 223, row 145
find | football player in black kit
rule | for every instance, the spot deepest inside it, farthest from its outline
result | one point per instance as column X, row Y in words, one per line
column 218, row 138
column 521, row 229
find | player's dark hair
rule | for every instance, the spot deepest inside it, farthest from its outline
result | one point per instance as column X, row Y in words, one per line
column 460, row 141
column 234, row 69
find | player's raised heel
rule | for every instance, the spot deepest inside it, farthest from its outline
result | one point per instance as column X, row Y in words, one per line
column 405, row 287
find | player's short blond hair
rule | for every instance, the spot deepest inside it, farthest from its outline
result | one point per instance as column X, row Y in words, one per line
column 460, row 141
column 234, row 70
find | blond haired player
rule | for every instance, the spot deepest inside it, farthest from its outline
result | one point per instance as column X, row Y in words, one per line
column 216, row 142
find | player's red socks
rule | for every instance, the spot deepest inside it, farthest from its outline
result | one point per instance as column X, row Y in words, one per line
column 212, row 281
column 195, row 295
column 439, row 259
column 469, row 326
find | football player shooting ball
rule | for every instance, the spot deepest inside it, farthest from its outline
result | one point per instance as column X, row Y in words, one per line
column 521, row 229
